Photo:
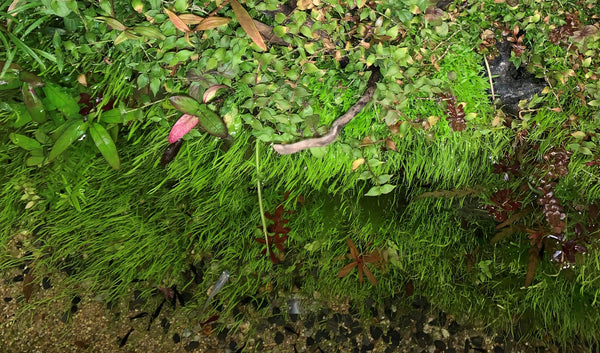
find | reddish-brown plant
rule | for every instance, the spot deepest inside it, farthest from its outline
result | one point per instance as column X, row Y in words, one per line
column 360, row 261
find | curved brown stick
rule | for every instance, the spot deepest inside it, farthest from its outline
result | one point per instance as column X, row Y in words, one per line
column 337, row 125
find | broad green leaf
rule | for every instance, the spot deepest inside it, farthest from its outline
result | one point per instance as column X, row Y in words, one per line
column 26, row 143
column 185, row 104
column 112, row 116
column 247, row 24
column 57, row 99
column 211, row 122
column 105, row 144
column 149, row 32
column 380, row 190
column 73, row 131
column 33, row 103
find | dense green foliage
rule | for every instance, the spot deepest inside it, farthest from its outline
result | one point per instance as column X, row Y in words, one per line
column 85, row 117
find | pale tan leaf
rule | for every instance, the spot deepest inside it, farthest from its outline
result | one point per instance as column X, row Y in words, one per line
column 390, row 144
column 179, row 24
column 357, row 163
column 247, row 24
column 113, row 22
column 212, row 22
column 190, row 19
column 211, row 92
column 82, row 80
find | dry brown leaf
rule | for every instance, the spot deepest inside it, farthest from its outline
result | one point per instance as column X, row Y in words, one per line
column 190, row 19
column 212, row 22
column 179, row 24
column 247, row 24
column 267, row 32
column 28, row 286
column 390, row 144
column 534, row 259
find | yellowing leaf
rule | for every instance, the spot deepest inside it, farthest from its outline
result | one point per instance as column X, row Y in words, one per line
column 357, row 163
column 113, row 22
column 578, row 134
column 212, row 22
column 179, row 24
column 247, row 24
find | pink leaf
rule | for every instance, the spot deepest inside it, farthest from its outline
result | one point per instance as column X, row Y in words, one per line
column 182, row 127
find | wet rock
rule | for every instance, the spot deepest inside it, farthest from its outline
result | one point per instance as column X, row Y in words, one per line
column 511, row 84
column 477, row 341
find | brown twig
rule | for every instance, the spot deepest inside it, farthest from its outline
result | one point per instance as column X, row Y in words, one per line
column 337, row 125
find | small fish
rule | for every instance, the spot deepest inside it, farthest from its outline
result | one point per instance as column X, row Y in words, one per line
column 124, row 339
column 216, row 288
column 140, row 315
column 155, row 313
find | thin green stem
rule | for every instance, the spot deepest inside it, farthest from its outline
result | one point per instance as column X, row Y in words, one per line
column 260, row 204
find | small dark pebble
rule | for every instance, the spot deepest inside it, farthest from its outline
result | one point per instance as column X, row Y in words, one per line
column 423, row 339
column 453, row 328
column 340, row 338
column 262, row 326
column 390, row 349
column 279, row 338
column 376, row 332
column 498, row 349
column 477, row 341
column 76, row 300
column 309, row 322
column 368, row 347
column 18, row 278
column 192, row 345
column 233, row 345
column 332, row 325
column 310, row 341
column 46, row 283
column 395, row 337
column 7, row 299
column 276, row 310
column 320, row 335
column 420, row 302
column 222, row 335
column 74, row 309
column 450, row 350
column 276, row 320
column 440, row 345
column 294, row 317
column 404, row 321
column 374, row 311
column 290, row 329
column 176, row 338
column 165, row 325
column 439, row 321
column 467, row 346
